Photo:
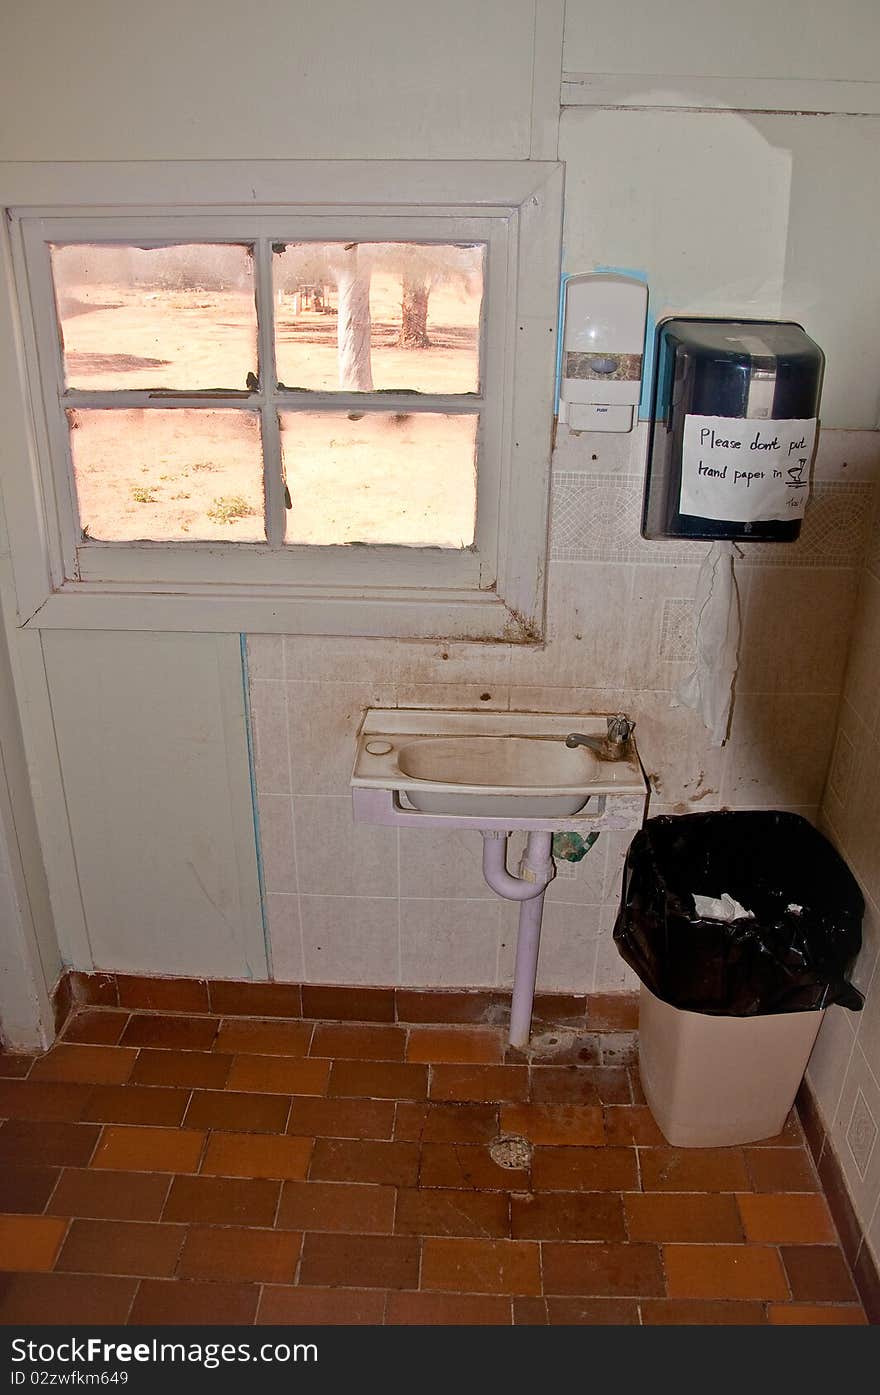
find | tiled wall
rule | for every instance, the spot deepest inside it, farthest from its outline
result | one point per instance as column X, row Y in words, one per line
column 353, row 903
column 844, row 1070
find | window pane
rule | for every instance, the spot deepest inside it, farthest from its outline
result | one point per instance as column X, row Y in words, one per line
column 374, row 315
column 182, row 475
column 380, row 477
column 178, row 317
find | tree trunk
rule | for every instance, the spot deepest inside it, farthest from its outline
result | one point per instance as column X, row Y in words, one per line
column 353, row 328
column 414, row 314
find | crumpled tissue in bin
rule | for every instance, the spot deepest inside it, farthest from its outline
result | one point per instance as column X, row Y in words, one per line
column 722, row 908
column 795, row 951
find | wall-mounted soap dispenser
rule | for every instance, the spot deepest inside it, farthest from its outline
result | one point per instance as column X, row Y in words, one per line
column 733, row 432
column 602, row 345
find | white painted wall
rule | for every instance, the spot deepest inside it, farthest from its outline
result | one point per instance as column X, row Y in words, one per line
column 271, row 79
column 784, row 39
column 153, row 752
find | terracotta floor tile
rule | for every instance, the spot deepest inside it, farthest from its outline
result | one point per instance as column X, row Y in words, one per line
column 257, row 1155
column 378, row 1080
column 222, row 1200
column 96, row 1026
column 553, row 1048
column 797, row 1218
column 162, row 994
column 685, row 1216
column 446, row 1123
column 562, row 1009
column 575, row 1312
column 83, row 1300
column 463, row 1045
column 238, row 1253
column 574, row 1124
column 95, row 989
column 307, row 1307
column 60, row 1144
column 724, row 1271
column 460, row 1166
column 36, row 1099
column 172, row 1033
column 439, row 1212
column 613, row 1012
column 30, row 1242
column 121, row 1247
column 791, row 1136
column 611, row 1271
column 182, row 1302
column 567, row 1216
column 818, row 1274
column 128, row 1104
column 237, row 1111
column 361, row 1041
column 780, row 1170
column 447, row 1310
column 339, row 1118
column 136, row 1149
column 27, row 1189
column 481, row 1266
column 635, row 1085
column 584, row 1169
column 197, row 1070
column 279, row 1075
column 809, row 1315
column 684, row 1312
column 356, row 1209
column 632, row 1124
column 489, row 1084
column 231, row 999
column 348, row 1004
column 14, row 1066
column 365, row 1160
column 693, row 1170
column 360, row 1261
column 269, row 1037
column 99, row 1065
column 466, row 1006
column 122, row 1196
column 580, row 1085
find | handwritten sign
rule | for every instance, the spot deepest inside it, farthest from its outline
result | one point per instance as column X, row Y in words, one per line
column 745, row 469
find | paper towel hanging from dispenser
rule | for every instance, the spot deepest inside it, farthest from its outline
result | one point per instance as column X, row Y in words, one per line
column 734, row 423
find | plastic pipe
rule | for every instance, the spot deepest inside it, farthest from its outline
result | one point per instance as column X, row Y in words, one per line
column 538, row 865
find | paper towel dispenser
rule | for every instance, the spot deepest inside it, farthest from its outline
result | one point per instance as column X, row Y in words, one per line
column 733, row 430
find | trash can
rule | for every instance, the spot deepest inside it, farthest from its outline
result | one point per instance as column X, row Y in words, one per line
column 743, row 927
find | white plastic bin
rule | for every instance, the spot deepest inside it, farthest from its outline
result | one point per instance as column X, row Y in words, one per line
column 714, row 1081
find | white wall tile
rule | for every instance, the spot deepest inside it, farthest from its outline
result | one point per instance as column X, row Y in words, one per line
column 855, row 1132
column 441, row 863
column 350, row 939
column 323, row 720
column 829, row 1060
column 285, row 937
column 269, row 734
column 447, row 944
column 333, row 851
column 569, row 944
column 276, row 842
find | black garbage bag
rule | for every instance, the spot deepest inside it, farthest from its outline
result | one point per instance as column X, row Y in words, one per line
column 792, row 955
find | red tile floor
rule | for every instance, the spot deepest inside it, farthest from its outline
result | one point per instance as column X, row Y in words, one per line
column 157, row 1168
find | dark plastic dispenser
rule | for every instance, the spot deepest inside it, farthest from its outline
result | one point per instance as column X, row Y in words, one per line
column 766, row 376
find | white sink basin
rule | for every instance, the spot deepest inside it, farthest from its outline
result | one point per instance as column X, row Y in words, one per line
column 495, row 764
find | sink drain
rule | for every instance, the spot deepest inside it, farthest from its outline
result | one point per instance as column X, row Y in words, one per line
column 512, row 1152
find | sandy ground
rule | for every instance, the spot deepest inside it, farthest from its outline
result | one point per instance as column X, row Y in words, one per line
column 183, row 474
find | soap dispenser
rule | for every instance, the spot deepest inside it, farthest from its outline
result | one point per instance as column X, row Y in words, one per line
column 602, row 345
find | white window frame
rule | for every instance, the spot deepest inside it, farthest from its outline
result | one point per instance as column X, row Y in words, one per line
column 493, row 590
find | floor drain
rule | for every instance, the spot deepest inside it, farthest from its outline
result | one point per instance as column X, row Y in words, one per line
column 513, row 1152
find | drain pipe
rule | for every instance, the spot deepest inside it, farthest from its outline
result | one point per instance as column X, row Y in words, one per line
column 538, row 870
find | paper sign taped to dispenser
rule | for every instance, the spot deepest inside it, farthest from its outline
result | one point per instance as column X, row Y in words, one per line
column 746, row 469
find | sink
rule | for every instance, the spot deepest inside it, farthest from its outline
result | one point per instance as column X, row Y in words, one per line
column 491, row 764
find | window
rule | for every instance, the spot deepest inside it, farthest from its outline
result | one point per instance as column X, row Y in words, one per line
column 299, row 414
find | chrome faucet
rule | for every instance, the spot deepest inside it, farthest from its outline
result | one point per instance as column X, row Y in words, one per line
column 612, row 745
